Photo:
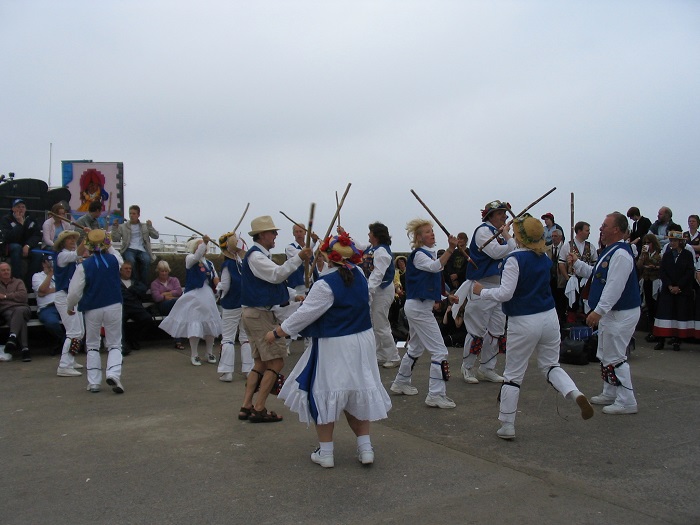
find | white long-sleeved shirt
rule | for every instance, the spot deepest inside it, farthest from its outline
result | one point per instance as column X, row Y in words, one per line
column 382, row 261
column 266, row 269
column 493, row 249
column 619, row 268
column 77, row 283
column 509, row 281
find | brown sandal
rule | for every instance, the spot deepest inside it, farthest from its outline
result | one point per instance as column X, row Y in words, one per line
column 244, row 413
column 263, row 416
column 179, row 346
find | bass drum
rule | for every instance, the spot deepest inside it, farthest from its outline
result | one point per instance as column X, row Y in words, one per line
column 33, row 191
column 57, row 195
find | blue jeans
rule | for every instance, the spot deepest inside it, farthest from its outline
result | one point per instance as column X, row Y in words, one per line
column 141, row 262
column 52, row 322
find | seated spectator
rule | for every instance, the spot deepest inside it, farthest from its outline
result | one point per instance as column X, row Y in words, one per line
column 134, row 293
column 135, row 237
column 44, row 286
column 90, row 220
column 53, row 227
column 22, row 235
column 165, row 290
column 14, row 310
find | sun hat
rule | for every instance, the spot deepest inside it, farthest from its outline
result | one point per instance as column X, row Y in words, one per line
column 493, row 206
column 230, row 244
column 262, row 224
column 63, row 237
column 529, row 233
column 98, row 241
column 341, row 249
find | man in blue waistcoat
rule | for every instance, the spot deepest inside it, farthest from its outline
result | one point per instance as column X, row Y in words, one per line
column 614, row 299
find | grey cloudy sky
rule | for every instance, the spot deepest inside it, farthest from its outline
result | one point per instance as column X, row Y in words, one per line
column 214, row 104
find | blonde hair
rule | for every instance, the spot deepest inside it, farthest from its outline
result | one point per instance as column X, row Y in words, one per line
column 412, row 229
column 162, row 265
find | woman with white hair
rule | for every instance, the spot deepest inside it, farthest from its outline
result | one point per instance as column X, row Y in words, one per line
column 195, row 314
column 533, row 324
column 165, row 291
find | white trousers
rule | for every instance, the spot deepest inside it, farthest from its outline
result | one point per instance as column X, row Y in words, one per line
column 75, row 328
column 379, row 310
column 615, row 329
column 230, row 324
column 109, row 317
column 424, row 334
column 483, row 318
column 527, row 334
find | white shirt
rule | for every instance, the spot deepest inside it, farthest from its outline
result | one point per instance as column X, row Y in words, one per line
column 136, row 241
column 381, row 261
column 509, row 281
column 621, row 264
column 48, row 299
column 77, row 283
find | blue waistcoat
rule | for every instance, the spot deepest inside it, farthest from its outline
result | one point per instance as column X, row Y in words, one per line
column 388, row 277
column 258, row 293
column 297, row 278
column 63, row 275
column 486, row 265
column 419, row 283
column 103, row 285
column 532, row 293
column 630, row 295
column 232, row 299
column 197, row 275
column 349, row 313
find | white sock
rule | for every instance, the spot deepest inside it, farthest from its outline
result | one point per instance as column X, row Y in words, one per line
column 326, row 448
column 573, row 395
column 364, row 443
column 194, row 346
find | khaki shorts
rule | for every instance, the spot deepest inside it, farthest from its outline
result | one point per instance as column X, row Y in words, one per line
column 257, row 323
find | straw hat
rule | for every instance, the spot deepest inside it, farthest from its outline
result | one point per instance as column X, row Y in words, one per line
column 529, row 233
column 98, row 241
column 493, row 206
column 63, row 237
column 230, row 244
column 192, row 244
column 341, row 250
column 262, row 224
column 675, row 235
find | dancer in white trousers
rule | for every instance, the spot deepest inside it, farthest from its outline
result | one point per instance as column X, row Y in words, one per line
column 533, row 325
column 96, row 289
column 615, row 302
column 64, row 266
column 230, row 289
column 423, row 290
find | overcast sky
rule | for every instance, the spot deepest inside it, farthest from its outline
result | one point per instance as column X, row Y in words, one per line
column 211, row 105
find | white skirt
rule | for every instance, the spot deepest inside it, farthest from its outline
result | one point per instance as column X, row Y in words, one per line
column 346, row 379
column 194, row 315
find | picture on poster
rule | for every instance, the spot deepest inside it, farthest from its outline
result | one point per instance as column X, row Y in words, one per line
column 101, row 182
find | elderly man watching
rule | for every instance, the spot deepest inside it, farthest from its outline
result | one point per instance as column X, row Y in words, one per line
column 14, row 310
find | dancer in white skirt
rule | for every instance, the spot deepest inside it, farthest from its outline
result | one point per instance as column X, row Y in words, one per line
column 230, row 288
column 526, row 298
column 195, row 314
column 338, row 373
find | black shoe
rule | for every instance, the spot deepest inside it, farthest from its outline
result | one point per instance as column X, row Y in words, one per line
column 11, row 344
column 676, row 347
column 134, row 345
column 26, row 356
column 659, row 345
column 650, row 338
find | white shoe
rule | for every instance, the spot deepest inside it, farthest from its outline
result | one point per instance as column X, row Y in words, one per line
column 439, row 401
column 403, row 388
column 211, row 358
column 326, row 461
column 77, row 365
column 366, row 457
column 391, row 364
column 602, row 400
column 507, row 431
column 616, row 409
column 196, row 361
column 4, row 356
column 64, row 371
column 468, row 376
column 488, row 375
column 116, row 385
column 226, row 377
column 93, row 388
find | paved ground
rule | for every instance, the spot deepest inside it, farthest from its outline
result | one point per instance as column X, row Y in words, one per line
column 170, row 450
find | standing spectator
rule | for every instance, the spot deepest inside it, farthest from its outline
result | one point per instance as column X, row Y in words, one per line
column 640, row 227
column 53, row 227
column 557, row 281
column 399, row 293
column 338, row 372
column 229, row 287
column 675, row 311
column 134, row 293
column 165, row 291
column 549, row 227
column 455, row 271
column 615, row 301
column 585, row 253
column 22, row 235
column 44, row 286
column 135, row 237
column 664, row 224
column 648, row 266
column 14, row 310
column 95, row 288
column 423, row 290
column 692, row 236
column 532, row 323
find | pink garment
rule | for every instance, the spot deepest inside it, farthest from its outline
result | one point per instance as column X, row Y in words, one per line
column 158, row 288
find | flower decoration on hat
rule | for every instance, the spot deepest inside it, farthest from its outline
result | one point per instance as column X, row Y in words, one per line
column 493, row 206
column 98, row 241
column 529, row 232
column 341, row 250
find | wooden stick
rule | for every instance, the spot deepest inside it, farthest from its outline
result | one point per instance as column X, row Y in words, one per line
column 307, row 266
column 65, row 220
column 336, row 203
column 518, row 215
column 192, row 230
column 335, row 215
column 437, row 221
column 242, row 216
column 572, row 215
column 295, row 223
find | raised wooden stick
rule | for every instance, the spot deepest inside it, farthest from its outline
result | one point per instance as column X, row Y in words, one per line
column 518, row 215
column 572, row 215
column 192, row 230
column 437, row 221
column 66, row 220
column 307, row 266
column 335, row 216
column 241, row 219
column 336, row 203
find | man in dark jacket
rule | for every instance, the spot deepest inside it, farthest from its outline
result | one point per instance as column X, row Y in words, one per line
column 640, row 227
column 663, row 225
column 21, row 234
column 133, row 294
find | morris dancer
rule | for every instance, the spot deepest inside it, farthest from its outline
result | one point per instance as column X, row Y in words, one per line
column 338, row 373
column 483, row 318
column 230, row 288
column 614, row 299
column 533, row 324
column 423, row 290
column 96, row 288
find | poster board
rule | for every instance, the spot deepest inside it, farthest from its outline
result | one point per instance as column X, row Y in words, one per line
column 90, row 181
